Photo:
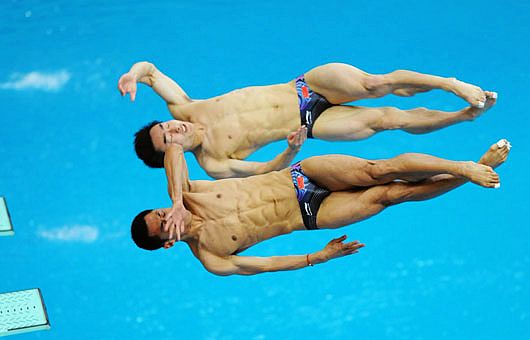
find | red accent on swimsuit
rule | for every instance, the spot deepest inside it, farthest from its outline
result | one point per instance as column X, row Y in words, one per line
column 305, row 91
column 300, row 182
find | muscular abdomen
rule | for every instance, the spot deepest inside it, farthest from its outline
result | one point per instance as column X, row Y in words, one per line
column 249, row 210
column 261, row 114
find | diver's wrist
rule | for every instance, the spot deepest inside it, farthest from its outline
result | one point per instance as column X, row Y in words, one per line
column 318, row 258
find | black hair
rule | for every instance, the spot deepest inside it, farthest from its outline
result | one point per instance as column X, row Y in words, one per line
column 140, row 233
column 145, row 149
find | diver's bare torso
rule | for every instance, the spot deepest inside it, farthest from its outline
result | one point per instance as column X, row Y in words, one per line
column 242, row 121
column 233, row 214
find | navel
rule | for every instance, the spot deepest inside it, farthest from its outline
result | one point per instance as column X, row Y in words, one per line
column 234, row 238
column 218, row 195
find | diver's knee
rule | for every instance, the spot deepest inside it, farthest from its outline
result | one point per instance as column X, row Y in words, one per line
column 395, row 193
column 391, row 118
column 373, row 82
column 379, row 170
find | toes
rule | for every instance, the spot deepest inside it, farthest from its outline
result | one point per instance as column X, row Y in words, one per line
column 504, row 143
column 492, row 182
column 491, row 95
column 501, row 143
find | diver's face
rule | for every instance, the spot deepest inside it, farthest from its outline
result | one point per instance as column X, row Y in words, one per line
column 172, row 132
column 155, row 221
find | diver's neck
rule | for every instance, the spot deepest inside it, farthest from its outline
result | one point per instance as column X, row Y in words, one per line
column 193, row 229
column 198, row 137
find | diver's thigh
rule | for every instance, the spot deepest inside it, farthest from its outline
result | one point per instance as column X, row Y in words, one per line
column 343, row 208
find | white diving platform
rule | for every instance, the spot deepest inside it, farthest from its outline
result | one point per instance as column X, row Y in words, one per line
column 22, row 311
column 6, row 228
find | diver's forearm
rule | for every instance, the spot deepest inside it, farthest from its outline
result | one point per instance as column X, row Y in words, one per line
column 282, row 263
column 293, row 262
column 164, row 86
column 174, row 185
column 283, row 160
column 257, row 265
column 176, row 172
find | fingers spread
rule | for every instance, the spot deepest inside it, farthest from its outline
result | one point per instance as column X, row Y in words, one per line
column 340, row 239
column 353, row 245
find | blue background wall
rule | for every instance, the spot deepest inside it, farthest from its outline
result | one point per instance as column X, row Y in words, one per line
column 456, row 267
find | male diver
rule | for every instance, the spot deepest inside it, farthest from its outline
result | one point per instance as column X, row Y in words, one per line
column 219, row 219
column 222, row 131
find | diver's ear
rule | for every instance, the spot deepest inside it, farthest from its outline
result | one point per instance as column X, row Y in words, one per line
column 169, row 244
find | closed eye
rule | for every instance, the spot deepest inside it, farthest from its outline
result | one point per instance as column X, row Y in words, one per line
column 163, row 132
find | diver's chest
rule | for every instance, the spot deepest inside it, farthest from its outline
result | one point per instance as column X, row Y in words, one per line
column 229, row 140
column 225, row 238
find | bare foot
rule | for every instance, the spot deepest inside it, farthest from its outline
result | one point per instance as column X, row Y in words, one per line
column 496, row 154
column 470, row 93
column 473, row 112
column 480, row 174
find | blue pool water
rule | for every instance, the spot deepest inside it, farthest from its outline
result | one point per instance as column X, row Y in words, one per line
column 456, row 267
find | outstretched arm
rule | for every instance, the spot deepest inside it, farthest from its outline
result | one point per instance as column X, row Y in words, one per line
column 249, row 265
column 177, row 182
column 148, row 74
column 240, row 168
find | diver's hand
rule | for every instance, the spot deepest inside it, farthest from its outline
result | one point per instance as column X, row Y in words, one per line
column 297, row 138
column 336, row 248
column 175, row 220
column 127, row 84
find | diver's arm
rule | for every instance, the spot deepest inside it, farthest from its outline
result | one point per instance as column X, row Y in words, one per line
column 177, row 182
column 251, row 265
column 176, row 172
column 146, row 73
column 240, row 168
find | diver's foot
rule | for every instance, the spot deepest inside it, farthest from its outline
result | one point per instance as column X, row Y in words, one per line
column 473, row 112
column 480, row 174
column 496, row 154
column 470, row 93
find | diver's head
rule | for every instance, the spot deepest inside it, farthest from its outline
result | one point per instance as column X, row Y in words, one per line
column 147, row 230
column 152, row 140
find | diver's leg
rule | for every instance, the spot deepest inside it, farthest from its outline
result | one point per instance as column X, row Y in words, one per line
column 340, row 172
column 343, row 83
column 340, row 123
column 347, row 207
